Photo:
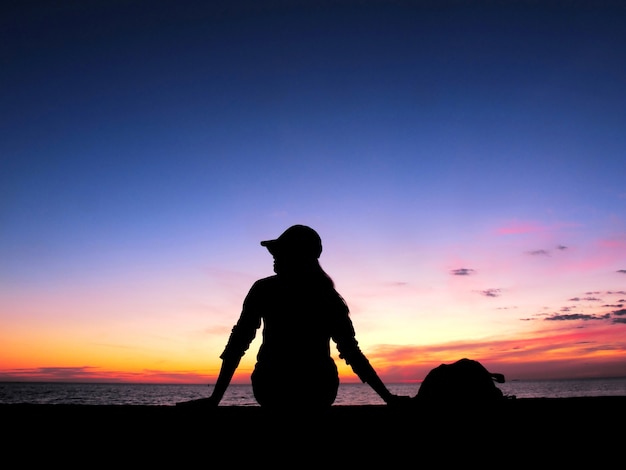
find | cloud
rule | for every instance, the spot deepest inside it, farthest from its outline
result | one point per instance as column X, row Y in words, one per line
column 590, row 296
column 96, row 374
column 462, row 271
column 539, row 253
column 54, row 374
column 576, row 316
column 490, row 292
column 542, row 252
column 564, row 316
column 621, row 271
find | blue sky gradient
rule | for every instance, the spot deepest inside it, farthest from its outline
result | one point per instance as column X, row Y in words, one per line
column 463, row 162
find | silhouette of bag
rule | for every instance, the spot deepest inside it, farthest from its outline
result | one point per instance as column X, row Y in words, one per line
column 463, row 381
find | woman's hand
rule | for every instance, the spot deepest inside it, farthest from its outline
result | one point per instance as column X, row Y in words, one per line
column 210, row 402
column 399, row 400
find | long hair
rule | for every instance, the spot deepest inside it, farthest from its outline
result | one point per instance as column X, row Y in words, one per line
column 308, row 275
column 324, row 276
column 327, row 283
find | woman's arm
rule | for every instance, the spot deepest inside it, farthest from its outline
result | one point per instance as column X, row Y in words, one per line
column 345, row 338
column 239, row 341
column 229, row 365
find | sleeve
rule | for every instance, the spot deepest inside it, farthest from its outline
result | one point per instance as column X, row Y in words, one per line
column 245, row 329
column 347, row 345
column 355, row 358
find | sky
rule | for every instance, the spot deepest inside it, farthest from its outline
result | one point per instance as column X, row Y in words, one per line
column 463, row 162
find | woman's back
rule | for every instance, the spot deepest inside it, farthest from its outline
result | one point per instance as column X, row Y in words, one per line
column 299, row 320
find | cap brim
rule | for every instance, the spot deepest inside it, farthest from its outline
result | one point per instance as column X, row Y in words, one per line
column 270, row 245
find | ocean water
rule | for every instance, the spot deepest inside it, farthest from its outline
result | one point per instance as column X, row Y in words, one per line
column 241, row 395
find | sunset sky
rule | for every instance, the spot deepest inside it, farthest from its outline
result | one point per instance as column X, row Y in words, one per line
column 463, row 162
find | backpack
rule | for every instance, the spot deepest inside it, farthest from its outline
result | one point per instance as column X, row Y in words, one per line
column 464, row 381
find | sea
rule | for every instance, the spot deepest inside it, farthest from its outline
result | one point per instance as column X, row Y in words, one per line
column 350, row 394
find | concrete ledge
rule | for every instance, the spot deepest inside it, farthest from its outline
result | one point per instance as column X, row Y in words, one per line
column 576, row 431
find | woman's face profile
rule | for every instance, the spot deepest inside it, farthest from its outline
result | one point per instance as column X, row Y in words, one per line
column 281, row 265
column 289, row 265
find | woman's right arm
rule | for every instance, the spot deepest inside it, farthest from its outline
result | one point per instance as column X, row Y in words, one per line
column 241, row 337
column 229, row 365
column 349, row 350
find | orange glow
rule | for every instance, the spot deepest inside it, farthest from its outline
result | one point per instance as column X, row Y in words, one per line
column 551, row 354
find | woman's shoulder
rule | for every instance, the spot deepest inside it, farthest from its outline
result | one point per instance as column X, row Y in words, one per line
column 266, row 282
column 262, row 289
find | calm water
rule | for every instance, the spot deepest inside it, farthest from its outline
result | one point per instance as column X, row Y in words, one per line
column 241, row 395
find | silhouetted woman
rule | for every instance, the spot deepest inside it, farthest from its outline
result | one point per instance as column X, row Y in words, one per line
column 301, row 312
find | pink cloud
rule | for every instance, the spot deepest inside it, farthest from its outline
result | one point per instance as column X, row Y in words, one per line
column 516, row 228
column 614, row 244
column 523, row 227
column 562, row 352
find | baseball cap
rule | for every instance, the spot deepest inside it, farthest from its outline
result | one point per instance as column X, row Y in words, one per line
column 298, row 241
